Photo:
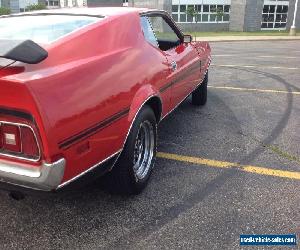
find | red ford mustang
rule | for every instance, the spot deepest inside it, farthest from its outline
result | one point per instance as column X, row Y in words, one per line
column 82, row 92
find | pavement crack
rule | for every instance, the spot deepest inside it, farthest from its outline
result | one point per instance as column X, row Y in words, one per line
column 275, row 149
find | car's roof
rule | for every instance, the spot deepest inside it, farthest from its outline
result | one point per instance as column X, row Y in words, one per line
column 99, row 11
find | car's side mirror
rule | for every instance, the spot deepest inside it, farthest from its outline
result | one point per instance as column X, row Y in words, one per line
column 187, row 39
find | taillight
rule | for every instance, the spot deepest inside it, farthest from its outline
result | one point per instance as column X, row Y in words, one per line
column 19, row 141
column 29, row 145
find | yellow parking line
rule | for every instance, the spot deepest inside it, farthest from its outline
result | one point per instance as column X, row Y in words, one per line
column 225, row 164
column 253, row 66
column 257, row 90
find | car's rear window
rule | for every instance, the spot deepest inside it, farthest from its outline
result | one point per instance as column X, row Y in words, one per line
column 4, row 62
column 42, row 28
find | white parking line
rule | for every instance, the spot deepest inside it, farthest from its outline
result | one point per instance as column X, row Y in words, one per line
column 275, row 91
column 223, row 55
column 266, row 56
column 254, row 66
column 283, row 57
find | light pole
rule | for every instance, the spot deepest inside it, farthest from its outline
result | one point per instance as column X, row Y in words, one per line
column 293, row 27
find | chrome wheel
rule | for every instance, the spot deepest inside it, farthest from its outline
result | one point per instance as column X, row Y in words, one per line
column 143, row 150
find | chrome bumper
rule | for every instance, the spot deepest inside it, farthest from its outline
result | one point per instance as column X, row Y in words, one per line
column 46, row 177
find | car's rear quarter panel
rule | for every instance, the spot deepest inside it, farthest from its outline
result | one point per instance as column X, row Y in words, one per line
column 15, row 97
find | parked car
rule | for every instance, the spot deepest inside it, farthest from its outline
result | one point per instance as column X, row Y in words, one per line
column 83, row 90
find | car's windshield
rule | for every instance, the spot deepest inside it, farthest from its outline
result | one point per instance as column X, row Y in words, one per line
column 42, row 28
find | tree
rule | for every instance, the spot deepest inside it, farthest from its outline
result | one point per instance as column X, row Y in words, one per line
column 193, row 13
column 219, row 14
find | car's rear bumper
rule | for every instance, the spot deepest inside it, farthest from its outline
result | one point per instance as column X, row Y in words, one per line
column 46, row 177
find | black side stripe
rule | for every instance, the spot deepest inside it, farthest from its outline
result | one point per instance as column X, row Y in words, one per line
column 183, row 75
column 164, row 88
column 92, row 130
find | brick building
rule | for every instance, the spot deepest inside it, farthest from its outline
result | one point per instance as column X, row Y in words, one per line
column 209, row 15
column 233, row 15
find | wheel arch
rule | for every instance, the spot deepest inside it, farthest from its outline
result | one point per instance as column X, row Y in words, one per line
column 154, row 101
column 145, row 96
column 156, row 105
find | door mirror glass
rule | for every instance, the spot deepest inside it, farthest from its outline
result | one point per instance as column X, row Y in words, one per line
column 187, row 39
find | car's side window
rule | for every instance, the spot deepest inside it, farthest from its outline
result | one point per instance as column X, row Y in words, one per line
column 148, row 31
column 166, row 37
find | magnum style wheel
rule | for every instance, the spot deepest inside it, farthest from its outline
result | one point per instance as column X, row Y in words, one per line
column 143, row 150
column 132, row 171
column 199, row 96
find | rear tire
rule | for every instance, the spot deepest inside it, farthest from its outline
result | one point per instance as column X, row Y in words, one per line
column 132, row 171
column 199, row 96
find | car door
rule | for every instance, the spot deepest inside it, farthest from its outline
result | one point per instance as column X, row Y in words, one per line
column 157, row 64
column 183, row 58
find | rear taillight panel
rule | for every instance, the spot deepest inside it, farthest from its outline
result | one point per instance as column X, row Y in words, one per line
column 11, row 138
column 18, row 141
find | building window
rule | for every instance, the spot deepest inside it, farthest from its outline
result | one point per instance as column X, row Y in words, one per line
column 201, row 13
column 52, row 3
column 274, row 14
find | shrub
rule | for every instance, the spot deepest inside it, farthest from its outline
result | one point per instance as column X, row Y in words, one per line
column 4, row 11
column 33, row 7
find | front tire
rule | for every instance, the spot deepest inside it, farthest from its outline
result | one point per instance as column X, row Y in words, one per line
column 199, row 96
column 132, row 171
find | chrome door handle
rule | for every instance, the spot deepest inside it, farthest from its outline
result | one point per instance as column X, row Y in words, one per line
column 173, row 65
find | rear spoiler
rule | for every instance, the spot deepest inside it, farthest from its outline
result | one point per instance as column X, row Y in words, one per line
column 25, row 51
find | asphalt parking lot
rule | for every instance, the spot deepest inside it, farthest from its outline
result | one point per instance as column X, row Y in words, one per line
column 229, row 168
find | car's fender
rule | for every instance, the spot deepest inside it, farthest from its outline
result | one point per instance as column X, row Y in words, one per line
column 144, row 94
column 141, row 97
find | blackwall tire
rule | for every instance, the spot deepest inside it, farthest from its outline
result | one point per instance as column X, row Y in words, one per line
column 199, row 96
column 132, row 171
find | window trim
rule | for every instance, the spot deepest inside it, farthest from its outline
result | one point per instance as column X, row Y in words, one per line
column 165, row 15
column 147, row 40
